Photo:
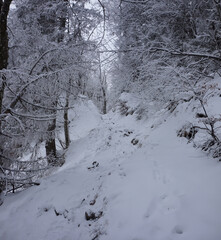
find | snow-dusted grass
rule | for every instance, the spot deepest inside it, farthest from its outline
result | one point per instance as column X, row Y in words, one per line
column 149, row 185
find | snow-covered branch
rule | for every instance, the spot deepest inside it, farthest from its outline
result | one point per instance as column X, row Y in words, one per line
column 190, row 54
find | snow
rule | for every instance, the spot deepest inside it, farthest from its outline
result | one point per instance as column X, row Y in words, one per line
column 149, row 184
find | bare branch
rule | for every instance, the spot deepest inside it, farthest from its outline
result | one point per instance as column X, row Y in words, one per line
column 104, row 20
column 37, row 118
column 39, row 59
column 179, row 53
column 26, row 171
column 135, row 2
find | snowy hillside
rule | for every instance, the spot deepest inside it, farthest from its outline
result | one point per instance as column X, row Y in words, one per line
column 124, row 179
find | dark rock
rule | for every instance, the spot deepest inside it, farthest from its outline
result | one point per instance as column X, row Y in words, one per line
column 92, row 216
column 134, row 141
column 201, row 115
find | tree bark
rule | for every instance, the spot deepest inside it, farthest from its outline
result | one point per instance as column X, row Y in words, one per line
column 50, row 144
column 66, row 122
column 4, row 10
column 104, row 100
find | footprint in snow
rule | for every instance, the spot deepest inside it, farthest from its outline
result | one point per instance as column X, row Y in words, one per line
column 169, row 204
column 44, row 209
column 122, row 174
column 163, row 196
column 156, row 175
column 177, row 229
column 152, row 207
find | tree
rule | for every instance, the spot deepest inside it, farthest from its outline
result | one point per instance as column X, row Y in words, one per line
column 48, row 66
column 61, row 26
column 167, row 34
column 4, row 11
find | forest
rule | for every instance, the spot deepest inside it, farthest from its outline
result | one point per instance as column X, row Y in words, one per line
column 146, row 60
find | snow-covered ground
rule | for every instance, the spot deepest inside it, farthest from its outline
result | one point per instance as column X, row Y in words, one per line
column 123, row 180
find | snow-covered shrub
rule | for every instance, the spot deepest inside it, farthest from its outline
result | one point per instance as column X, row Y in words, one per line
column 213, row 148
column 130, row 104
column 205, row 106
column 125, row 109
column 188, row 131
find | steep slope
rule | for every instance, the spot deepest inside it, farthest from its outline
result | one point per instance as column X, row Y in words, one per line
column 123, row 179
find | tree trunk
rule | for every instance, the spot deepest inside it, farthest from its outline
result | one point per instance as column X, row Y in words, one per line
column 66, row 122
column 104, row 101
column 2, row 90
column 4, row 10
column 50, row 145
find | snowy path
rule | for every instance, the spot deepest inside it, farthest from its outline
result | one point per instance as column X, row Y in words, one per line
column 138, row 182
column 170, row 192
